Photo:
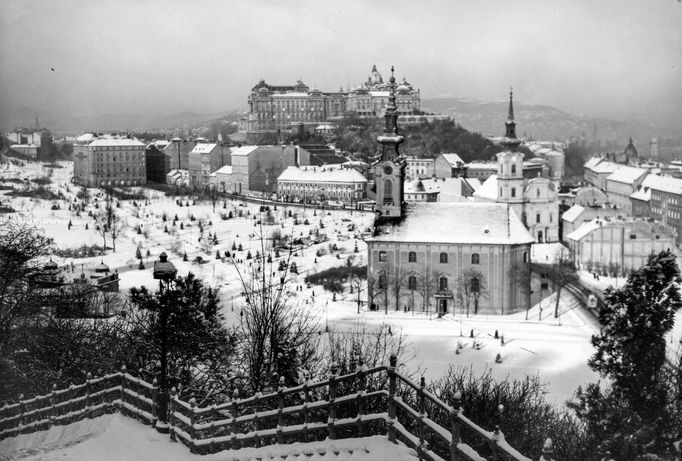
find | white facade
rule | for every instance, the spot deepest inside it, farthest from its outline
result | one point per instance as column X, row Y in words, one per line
column 320, row 184
column 109, row 161
column 621, row 184
column 417, row 168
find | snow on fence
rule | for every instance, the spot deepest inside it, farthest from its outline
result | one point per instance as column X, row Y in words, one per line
column 366, row 402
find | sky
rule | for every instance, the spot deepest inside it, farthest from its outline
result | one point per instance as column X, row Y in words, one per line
column 614, row 58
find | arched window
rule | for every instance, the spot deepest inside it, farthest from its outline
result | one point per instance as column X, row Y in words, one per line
column 525, row 256
column 412, row 257
column 442, row 284
column 382, row 281
column 388, row 190
column 412, row 282
column 537, row 192
column 475, row 258
column 382, row 256
column 444, row 258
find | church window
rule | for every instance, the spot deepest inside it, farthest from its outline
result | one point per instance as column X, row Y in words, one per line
column 513, row 192
column 537, row 192
column 412, row 257
column 537, row 217
column 513, row 169
column 475, row 258
column 412, row 282
column 475, row 285
column 444, row 258
column 442, row 284
column 388, row 190
column 525, row 256
column 382, row 281
column 382, row 256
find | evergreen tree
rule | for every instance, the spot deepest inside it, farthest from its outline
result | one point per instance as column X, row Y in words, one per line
column 637, row 414
column 138, row 253
column 293, row 269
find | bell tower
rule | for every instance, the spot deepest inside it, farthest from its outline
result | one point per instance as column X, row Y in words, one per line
column 389, row 168
column 510, row 162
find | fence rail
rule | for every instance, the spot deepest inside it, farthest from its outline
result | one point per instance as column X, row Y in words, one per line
column 372, row 401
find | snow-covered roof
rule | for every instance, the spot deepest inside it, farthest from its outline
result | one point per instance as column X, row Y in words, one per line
column 482, row 165
column 635, row 225
column 321, row 174
column 227, row 169
column 488, row 189
column 474, row 183
column 204, row 148
column 107, row 142
column 627, row 175
column 584, row 229
column 469, row 223
column 593, row 162
column 665, row 184
column 606, row 167
column 643, row 192
column 453, row 159
column 243, row 151
column 572, row 213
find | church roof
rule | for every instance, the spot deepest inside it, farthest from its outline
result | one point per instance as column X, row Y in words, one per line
column 466, row 223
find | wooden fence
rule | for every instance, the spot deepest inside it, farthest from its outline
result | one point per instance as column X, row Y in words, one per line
column 366, row 402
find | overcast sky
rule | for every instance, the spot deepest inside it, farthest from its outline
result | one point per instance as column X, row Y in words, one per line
column 607, row 57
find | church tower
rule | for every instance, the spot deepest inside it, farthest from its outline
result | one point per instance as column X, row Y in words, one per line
column 510, row 162
column 389, row 169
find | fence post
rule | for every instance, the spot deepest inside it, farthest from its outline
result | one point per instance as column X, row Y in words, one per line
column 88, row 390
column 155, row 404
column 306, row 416
column 393, row 361
column 547, row 451
column 192, row 421
column 332, row 405
column 455, row 426
column 235, row 413
column 171, row 413
column 124, row 370
column 422, row 415
column 280, row 411
column 496, row 435
column 256, row 425
column 22, row 408
column 362, row 390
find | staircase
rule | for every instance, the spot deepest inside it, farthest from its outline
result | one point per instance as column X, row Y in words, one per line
column 365, row 403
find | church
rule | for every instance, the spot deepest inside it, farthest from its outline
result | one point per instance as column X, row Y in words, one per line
column 442, row 257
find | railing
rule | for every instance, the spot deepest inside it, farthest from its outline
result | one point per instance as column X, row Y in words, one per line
column 366, row 402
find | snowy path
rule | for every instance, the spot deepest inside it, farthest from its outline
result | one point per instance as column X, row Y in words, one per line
column 116, row 437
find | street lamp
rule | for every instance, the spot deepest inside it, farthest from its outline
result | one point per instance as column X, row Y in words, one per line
column 164, row 271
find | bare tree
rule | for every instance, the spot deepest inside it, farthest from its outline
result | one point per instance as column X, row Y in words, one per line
column 520, row 273
column 471, row 286
column 372, row 287
column 398, row 283
column 427, row 284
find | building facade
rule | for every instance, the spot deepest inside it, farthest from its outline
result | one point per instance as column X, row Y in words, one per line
column 256, row 168
column 319, row 184
column 666, row 202
column 204, row 159
column 418, row 168
column 621, row 184
column 449, row 166
column 107, row 161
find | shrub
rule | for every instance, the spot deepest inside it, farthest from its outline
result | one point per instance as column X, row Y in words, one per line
column 84, row 251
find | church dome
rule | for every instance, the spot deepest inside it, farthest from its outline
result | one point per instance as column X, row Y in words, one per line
column 630, row 150
column 375, row 77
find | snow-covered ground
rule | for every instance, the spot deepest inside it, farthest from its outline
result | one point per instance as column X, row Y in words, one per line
column 555, row 349
column 116, row 437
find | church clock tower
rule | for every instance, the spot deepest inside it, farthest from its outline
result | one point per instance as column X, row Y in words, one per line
column 389, row 169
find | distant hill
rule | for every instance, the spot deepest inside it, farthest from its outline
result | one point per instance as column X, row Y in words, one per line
column 540, row 122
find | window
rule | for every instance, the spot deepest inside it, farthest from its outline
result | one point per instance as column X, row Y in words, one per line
column 412, row 283
column 513, row 192
column 525, row 256
column 388, row 190
column 475, row 285
column 412, row 257
column 537, row 192
column 475, row 258
column 513, row 168
column 442, row 284
column 633, row 236
column 382, row 256
column 382, row 281
column 537, row 217
column 444, row 258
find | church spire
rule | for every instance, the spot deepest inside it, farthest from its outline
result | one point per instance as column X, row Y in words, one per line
column 510, row 140
column 390, row 139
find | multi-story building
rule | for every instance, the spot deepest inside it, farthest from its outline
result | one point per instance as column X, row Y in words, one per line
column 204, row 159
column 597, row 169
column 440, row 189
column 157, row 164
column 256, row 168
column 106, row 161
column 480, row 170
column 640, row 200
column 321, row 184
column 575, row 216
column 535, row 200
column 620, row 244
column 449, row 166
column 178, row 151
column 666, row 202
column 621, row 184
column 370, row 98
column 36, row 143
column 418, row 168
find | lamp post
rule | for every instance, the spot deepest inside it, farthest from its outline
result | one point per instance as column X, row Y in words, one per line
column 164, row 271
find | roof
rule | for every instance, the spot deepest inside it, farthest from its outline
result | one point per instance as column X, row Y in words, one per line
column 627, row 175
column 467, row 223
column 643, row 192
column 321, row 174
column 482, row 165
column 474, row 183
column 593, row 162
column 227, row 169
column 243, row 151
column 607, row 167
column 488, row 189
column 453, row 159
column 634, row 225
column 584, row 229
column 572, row 213
column 665, row 184
column 105, row 142
column 204, row 148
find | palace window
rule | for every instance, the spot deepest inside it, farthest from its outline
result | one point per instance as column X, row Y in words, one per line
column 382, row 256
column 412, row 257
column 444, row 258
column 412, row 282
column 475, row 258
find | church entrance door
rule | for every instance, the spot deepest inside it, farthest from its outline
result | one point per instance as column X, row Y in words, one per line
column 443, row 306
